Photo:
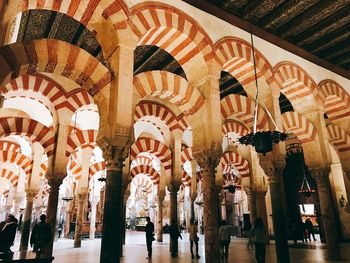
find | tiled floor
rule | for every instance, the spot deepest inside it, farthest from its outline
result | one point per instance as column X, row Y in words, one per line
column 135, row 251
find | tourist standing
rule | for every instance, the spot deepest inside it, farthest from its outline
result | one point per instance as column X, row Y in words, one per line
column 8, row 233
column 149, row 229
column 194, row 237
column 225, row 238
column 259, row 237
column 41, row 235
column 310, row 228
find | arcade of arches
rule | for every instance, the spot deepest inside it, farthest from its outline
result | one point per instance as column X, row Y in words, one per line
column 115, row 110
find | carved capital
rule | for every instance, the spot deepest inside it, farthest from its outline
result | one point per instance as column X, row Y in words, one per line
column 173, row 188
column 123, row 136
column 30, row 195
column 114, row 157
column 55, row 183
column 208, row 159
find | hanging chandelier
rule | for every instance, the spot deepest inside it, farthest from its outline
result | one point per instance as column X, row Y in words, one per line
column 305, row 186
column 262, row 141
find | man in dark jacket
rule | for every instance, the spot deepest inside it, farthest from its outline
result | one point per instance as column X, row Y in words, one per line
column 149, row 229
column 8, row 233
column 41, row 235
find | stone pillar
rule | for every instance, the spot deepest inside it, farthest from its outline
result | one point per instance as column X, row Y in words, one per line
column 260, row 203
column 173, row 219
column 252, row 205
column 27, row 220
column 327, row 210
column 278, row 216
column 17, row 200
column 188, row 212
column 93, row 220
column 112, row 218
column 79, row 222
column 211, row 213
column 51, row 211
column 160, row 218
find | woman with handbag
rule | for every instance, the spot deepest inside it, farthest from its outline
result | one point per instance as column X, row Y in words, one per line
column 194, row 237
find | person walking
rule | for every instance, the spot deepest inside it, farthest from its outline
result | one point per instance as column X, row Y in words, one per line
column 7, row 233
column 259, row 237
column 194, row 237
column 310, row 228
column 225, row 238
column 149, row 229
column 41, row 235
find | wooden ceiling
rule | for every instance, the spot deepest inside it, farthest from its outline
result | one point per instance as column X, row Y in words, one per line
column 319, row 27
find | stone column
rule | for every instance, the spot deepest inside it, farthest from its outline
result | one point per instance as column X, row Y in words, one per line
column 93, row 220
column 252, row 205
column 211, row 213
column 173, row 218
column 260, row 203
column 51, row 211
column 278, row 216
column 18, row 200
column 112, row 218
column 27, row 220
column 327, row 210
column 160, row 218
column 79, row 222
column 188, row 212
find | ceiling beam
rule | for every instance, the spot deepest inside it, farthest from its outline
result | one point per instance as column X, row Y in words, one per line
column 308, row 18
column 331, row 39
column 336, row 50
column 263, row 34
column 283, row 13
column 329, row 24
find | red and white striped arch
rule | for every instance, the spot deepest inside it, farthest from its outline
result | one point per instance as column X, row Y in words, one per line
column 90, row 12
column 43, row 169
column 49, row 88
column 97, row 167
column 148, row 170
column 9, row 175
column 296, row 84
column 186, row 178
column 299, row 126
column 186, row 154
column 242, row 108
column 235, row 127
column 240, row 163
column 339, row 138
column 171, row 87
column 235, row 56
column 75, row 169
column 80, row 138
column 152, row 146
column 42, row 56
column 17, row 158
column 141, row 160
column 335, row 99
column 172, row 30
column 34, row 130
column 146, row 183
column 9, row 146
column 149, row 108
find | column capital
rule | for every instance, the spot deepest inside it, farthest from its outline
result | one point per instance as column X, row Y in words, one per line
column 173, row 188
column 55, row 182
column 115, row 156
column 31, row 194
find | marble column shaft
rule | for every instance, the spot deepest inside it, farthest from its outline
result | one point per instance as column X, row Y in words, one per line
column 92, row 220
column 278, row 217
column 160, row 219
column 79, row 222
column 173, row 220
column 112, row 215
column 27, row 221
column 52, row 211
column 211, row 215
column 327, row 211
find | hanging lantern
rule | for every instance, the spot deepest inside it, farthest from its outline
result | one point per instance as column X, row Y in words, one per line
column 305, row 188
column 261, row 140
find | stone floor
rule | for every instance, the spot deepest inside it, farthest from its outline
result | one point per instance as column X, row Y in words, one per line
column 135, row 251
